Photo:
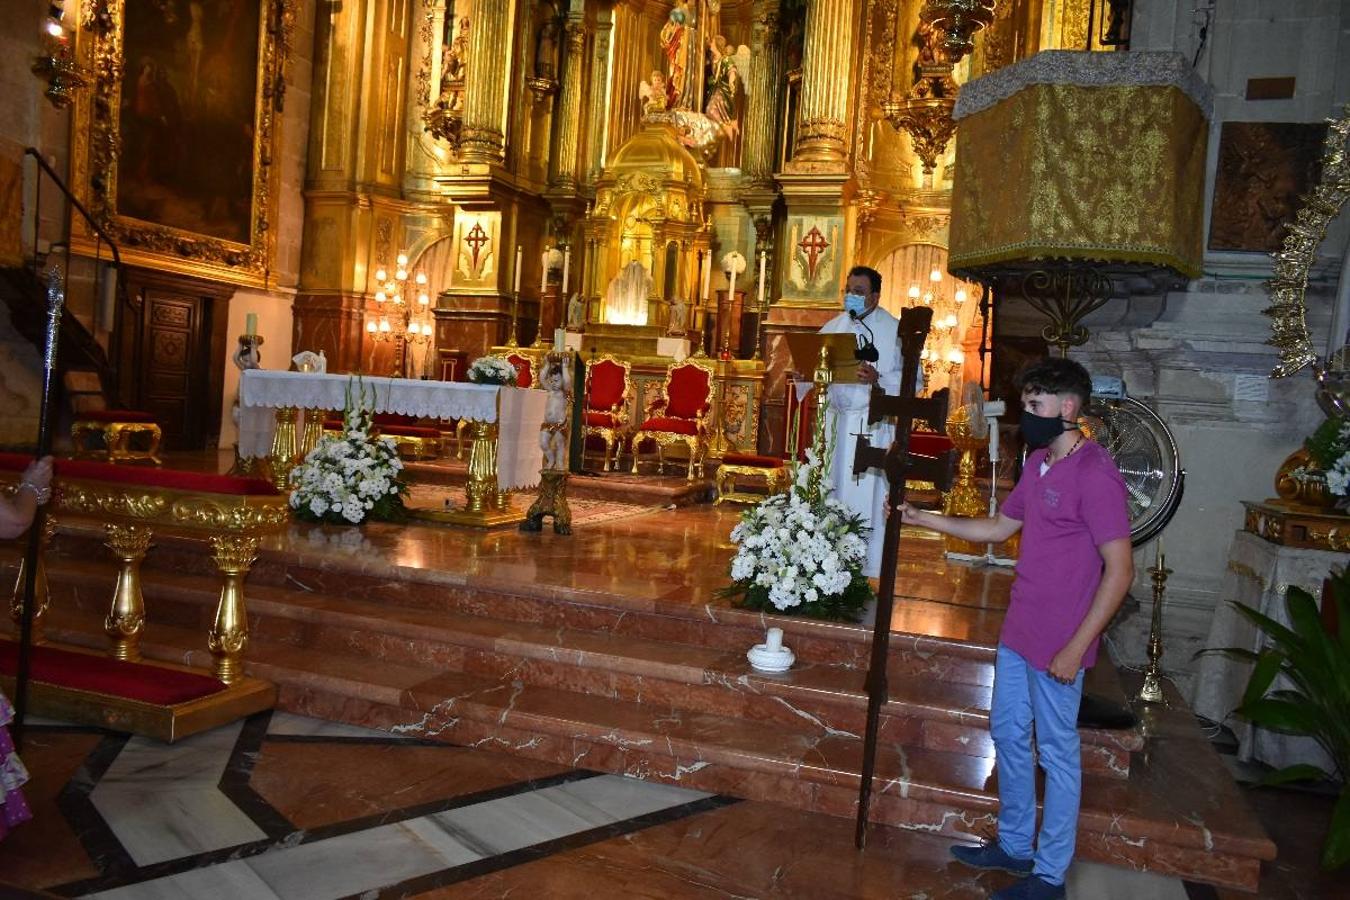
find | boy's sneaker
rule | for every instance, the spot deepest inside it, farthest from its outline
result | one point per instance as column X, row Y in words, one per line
column 991, row 856
column 1033, row 887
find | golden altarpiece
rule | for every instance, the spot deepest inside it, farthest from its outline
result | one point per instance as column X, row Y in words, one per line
column 653, row 179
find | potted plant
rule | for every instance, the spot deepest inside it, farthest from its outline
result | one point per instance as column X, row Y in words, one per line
column 1312, row 697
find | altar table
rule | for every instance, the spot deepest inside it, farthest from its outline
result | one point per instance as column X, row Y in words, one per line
column 506, row 419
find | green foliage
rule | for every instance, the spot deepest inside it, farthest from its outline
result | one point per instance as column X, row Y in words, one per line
column 1317, row 665
column 1328, row 443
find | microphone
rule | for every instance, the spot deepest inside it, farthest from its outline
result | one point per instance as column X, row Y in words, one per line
column 868, row 352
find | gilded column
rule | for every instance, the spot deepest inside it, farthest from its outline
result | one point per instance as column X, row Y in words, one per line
column 598, row 112
column 483, row 134
column 566, row 159
column 826, row 66
column 761, row 95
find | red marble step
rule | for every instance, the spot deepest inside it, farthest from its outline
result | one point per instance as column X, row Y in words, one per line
column 1178, row 812
column 934, row 639
column 923, row 711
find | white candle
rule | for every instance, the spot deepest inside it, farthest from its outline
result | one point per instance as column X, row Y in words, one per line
column 567, row 265
column 763, row 263
column 707, row 275
column 559, row 340
column 543, row 273
column 251, row 324
column 516, row 287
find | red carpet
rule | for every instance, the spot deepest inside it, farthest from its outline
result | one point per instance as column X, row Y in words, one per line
column 134, row 681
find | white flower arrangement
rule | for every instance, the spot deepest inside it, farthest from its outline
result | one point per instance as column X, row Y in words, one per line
column 348, row 478
column 493, row 370
column 801, row 552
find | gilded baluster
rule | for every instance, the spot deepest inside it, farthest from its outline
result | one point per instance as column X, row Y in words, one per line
column 42, row 595
column 309, row 439
column 283, row 448
column 126, row 619
column 483, row 494
column 234, row 555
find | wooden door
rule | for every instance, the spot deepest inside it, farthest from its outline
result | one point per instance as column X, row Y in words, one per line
column 178, row 361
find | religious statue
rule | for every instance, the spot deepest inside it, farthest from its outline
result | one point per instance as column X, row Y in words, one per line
column 675, row 44
column 576, row 313
column 724, row 83
column 546, row 50
column 555, row 377
column 452, row 68
column 626, row 298
column 679, row 318
column 653, row 93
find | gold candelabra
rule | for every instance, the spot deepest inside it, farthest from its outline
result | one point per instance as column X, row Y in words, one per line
column 397, row 319
column 1151, row 691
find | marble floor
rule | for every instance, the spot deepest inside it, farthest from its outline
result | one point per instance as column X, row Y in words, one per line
column 280, row 806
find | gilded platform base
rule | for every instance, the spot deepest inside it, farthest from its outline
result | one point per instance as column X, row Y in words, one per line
column 552, row 501
column 491, row 517
column 126, row 618
column 1292, row 525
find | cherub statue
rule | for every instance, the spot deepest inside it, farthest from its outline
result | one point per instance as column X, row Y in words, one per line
column 653, row 93
column 555, row 377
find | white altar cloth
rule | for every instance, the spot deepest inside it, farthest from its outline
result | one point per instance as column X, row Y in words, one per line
column 521, row 412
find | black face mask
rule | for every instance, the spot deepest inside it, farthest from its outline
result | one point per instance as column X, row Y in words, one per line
column 1039, row 431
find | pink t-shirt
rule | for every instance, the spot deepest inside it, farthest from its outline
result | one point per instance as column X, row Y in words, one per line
column 1066, row 514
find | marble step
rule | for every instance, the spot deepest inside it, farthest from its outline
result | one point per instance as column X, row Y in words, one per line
column 1178, row 812
column 930, row 638
column 923, row 711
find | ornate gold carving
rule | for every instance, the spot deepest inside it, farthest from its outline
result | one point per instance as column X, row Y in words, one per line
column 552, row 501
column 1294, row 526
column 775, row 480
column 234, row 555
column 42, row 595
column 96, row 161
column 126, row 618
column 1288, row 310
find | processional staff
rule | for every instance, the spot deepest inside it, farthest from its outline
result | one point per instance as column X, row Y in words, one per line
column 56, row 299
column 897, row 463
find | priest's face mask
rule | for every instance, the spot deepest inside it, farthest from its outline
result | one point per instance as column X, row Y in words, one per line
column 858, row 296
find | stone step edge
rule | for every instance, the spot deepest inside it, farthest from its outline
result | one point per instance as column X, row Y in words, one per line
column 1182, row 833
column 263, row 600
column 718, row 614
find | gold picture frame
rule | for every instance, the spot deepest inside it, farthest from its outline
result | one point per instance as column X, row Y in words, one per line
column 166, row 155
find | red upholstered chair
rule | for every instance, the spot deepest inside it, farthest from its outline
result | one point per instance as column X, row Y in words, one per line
column 798, row 422
column 524, row 369
column 609, row 386
column 680, row 414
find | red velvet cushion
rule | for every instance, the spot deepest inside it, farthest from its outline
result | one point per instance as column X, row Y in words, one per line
column 116, row 415
column 600, row 419
column 929, row 443
column 524, row 371
column 171, row 479
column 393, row 419
column 751, row 459
column 674, row 426
column 100, row 674
column 409, row 431
column 332, row 424
column 606, row 385
column 688, row 394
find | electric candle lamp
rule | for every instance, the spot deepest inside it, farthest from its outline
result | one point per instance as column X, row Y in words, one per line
column 371, row 326
column 960, row 296
column 935, row 276
column 914, row 292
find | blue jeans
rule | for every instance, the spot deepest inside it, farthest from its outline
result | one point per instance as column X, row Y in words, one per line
column 1024, row 697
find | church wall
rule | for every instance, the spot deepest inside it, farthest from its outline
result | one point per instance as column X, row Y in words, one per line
column 1198, row 354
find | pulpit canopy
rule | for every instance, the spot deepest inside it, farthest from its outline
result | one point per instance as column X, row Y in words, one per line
column 1087, row 157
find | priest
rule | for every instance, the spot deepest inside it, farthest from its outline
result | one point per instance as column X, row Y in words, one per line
column 877, row 336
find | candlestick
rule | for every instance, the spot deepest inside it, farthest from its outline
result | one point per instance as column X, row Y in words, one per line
column 1151, row 690
column 567, row 266
column 763, row 263
column 516, row 286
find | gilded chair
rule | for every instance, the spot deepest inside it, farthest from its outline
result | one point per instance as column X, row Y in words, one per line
column 609, row 386
column 524, row 369
column 774, row 470
column 680, row 415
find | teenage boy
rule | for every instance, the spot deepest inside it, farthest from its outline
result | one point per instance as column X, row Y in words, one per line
column 1072, row 574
